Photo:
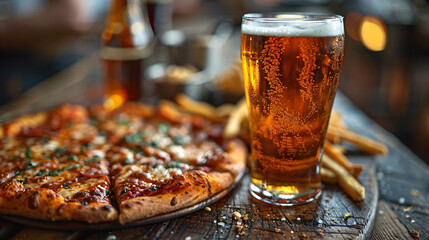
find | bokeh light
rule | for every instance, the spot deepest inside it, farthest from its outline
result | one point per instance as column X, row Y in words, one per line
column 115, row 100
column 373, row 33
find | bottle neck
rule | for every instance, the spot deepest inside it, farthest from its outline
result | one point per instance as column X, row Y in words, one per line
column 118, row 7
column 127, row 25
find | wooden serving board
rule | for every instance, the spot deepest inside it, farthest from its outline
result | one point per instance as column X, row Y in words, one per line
column 114, row 225
column 298, row 222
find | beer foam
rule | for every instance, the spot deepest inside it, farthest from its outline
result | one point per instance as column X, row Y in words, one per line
column 294, row 28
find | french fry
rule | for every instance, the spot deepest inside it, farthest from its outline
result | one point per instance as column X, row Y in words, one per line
column 200, row 108
column 354, row 169
column 231, row 80
column 362, row 143
column 224, row 110
column 336, row 119
column 233, row 124
column 339, row 148
column 350, row 185
column 170, row 111
column 335, row 139
column 328, row 175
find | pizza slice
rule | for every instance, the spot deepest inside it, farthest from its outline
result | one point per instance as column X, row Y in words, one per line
column 53, row 167
column 59, row 182
column 166, row 166
column 147, row 190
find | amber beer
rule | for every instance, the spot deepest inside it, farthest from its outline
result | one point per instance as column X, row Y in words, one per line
column 126, row 42
column 291, row 68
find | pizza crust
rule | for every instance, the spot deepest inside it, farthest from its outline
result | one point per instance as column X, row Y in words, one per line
column 14, row 127
column 45, row 204
column 203, row 186
column 236, row 150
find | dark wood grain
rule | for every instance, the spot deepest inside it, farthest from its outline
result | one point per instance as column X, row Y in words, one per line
column 8, row 229
column 41, row 234
column 326, row 214
column 387, row 224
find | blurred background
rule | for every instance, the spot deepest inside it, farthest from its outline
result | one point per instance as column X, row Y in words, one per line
column 385, row 73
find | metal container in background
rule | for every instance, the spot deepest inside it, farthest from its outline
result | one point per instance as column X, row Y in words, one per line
column 203, row 51
column 162, row 88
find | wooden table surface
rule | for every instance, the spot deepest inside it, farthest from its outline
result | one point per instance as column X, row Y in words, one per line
column 401, row 177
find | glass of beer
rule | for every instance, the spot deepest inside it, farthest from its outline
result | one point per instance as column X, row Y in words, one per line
column 291, row 66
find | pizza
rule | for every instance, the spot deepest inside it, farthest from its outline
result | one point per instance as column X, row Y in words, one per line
column 93, row 165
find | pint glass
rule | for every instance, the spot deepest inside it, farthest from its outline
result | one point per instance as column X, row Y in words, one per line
column 291, row 65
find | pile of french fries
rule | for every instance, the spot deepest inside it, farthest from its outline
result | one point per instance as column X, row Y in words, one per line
column 336, row 168
column 231, row 80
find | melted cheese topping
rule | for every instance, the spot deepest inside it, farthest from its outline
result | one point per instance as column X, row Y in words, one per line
column 78, row 187
column 42, row 180
column 50, row 146
column 126, row 172
column 160, row 173
column 99, row 140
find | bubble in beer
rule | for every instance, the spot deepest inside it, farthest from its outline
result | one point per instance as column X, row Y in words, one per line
column 290, row 74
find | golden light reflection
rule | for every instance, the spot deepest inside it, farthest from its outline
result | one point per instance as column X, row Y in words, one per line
column 286, row 190
column 373, row 33
column 290, row 16
column 114, row 101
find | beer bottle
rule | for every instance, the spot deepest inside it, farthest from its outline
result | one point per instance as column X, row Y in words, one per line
column 126, row 41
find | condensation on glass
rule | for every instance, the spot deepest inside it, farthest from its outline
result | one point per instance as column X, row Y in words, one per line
column 291, row 66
